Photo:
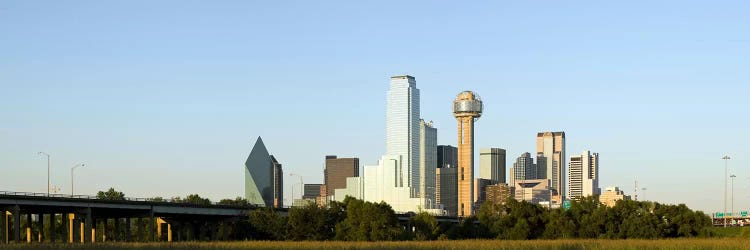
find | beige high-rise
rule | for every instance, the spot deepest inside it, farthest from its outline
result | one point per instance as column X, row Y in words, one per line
column 550, row 160
column 467, row 108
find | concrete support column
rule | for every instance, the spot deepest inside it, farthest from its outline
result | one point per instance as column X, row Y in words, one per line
column 87, row 228
column 75, row 229
column 153, row 224
column 139, row 229
column 3, row 226
column 17, row 223
column 41, row 228
column 127, row 229
column 52, row 227
column 169, row 232
column 28, row 227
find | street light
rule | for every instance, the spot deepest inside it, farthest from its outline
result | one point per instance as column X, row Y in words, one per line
column 301, row 188
column 732, row 176
column 43, row 153
column 71, row 176
column 726, row 160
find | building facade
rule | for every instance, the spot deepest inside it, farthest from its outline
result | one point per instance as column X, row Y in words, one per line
column 447, row 156
column 447, row 188
column 535, row 191
column 427, row 162
column 336, row 172
column 492, row 164
column 480, row 191
column 583, row 175
column 524, row 168
column 611, row 195
column 402, row 129
column 263, row 177
column 498, row 193
column 550, row 153
column 311, row 191
column 278, row 183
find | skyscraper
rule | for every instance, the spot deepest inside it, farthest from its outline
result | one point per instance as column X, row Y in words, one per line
column 263, row 177
column 492, row 164
column 467, row 108
column 550, row 152
column 583, row 175
column 446, row 177
column 427, row 162
column 524, row 168
column 278, row 183
column 447, row 156
column 336, row 172
column 402, row 129
column 447, row 188
column 311, row 191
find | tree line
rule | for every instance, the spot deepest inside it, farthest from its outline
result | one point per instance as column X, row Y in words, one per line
column 357, row 220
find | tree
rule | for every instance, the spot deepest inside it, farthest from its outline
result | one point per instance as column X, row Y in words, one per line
column 366, row 221
column 311, row 222
column 425, row 226
column 111, row 195
column 197, row 200
column 239, row 201
column 267, row 224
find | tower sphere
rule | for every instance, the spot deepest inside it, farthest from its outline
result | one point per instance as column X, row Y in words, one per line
column 467, row 103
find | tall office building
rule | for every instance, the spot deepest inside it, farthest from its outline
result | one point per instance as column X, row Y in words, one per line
column 467, row 108
column 402, row 129
column 583, row 175
column 447, row 156
column 611, row 195
column 427, row 162
column 524, row 168
column 480, row 190
column 263, row 177
column 446, row 178
column 550, row 153
column 492, row 164
column 278, row 183
column 447, row 188
column 336, row 172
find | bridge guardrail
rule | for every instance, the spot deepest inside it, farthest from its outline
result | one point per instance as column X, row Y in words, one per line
column 90, row 197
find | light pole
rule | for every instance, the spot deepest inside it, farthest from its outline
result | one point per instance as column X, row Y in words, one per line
column 726, row 160
column 71, row 176
column 46, row 154
column 732, row 176
column 301, row 188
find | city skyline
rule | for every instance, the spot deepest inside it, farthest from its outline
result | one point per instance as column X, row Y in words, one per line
column 184, row 97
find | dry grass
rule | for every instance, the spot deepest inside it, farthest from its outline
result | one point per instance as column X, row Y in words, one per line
column 715, row 243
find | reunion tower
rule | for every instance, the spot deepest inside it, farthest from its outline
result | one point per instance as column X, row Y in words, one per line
column 467, row 108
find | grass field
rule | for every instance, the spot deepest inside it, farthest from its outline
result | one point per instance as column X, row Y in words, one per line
column 713, row 243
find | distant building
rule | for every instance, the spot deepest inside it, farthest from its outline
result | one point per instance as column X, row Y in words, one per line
column 550, row 153
column 447, row 188
column 263, row 177
column 480, row 188
column 524, row 168
column 278, row 183
column 583, row 175
column 311, row 191
column 447, row 156
column 337, row 170
column 611, row 195
column 302, row 202
column 427, row 162
column 534, row 191
column 498, row 193
column 492, row 164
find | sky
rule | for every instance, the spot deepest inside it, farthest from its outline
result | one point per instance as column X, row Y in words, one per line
column 166, row 98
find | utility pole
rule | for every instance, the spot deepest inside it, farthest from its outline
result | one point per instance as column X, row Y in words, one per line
column 726, row 159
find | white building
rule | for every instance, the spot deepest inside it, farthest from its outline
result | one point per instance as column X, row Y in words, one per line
column 427, row 163
column 583, row 175
column 404, row 177
column 492, row 165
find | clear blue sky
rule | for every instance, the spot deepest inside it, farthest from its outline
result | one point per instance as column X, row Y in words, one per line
column 166, row 98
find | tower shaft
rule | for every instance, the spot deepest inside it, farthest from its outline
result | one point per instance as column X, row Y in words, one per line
column 465, row 166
